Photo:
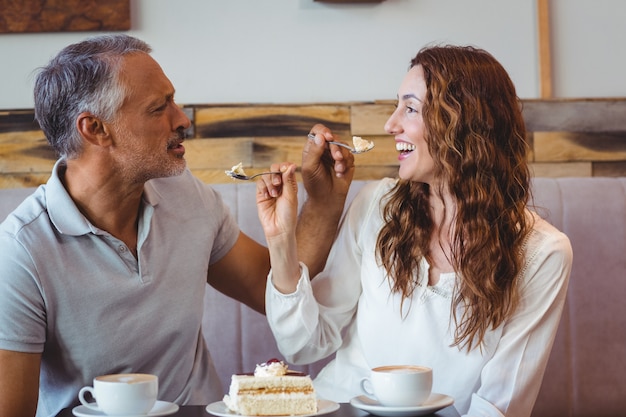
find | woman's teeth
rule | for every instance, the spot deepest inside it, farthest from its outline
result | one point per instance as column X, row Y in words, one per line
column 404, row 147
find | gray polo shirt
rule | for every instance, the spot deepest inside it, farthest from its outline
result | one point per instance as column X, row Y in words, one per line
column 77, row 294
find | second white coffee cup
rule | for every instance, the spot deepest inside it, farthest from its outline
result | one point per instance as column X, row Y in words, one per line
column 122, row 394
column 399, row 385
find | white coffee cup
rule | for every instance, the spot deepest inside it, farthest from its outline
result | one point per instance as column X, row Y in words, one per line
column 122, row 394
column 399, row 385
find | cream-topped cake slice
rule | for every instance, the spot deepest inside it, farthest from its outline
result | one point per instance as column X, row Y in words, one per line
column 273, row 390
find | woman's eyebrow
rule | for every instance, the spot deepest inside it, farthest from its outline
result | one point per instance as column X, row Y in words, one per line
column 410, row 96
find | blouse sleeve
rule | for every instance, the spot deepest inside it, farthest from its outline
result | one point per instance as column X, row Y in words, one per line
column 511, row 379
column 307, row 324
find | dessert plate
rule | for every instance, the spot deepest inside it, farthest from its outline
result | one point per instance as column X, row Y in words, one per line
column 219, row 409
column 161, row 408
column 434, row 403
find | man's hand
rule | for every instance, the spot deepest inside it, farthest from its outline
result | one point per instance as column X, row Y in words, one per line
column 327, row 172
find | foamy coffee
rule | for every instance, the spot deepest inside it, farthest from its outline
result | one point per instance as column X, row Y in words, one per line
column 401, row 369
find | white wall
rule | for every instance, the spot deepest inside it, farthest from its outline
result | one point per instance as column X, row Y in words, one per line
column 300, row 51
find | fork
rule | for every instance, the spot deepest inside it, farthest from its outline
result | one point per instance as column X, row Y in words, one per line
column 243, row 177
column 350, row 148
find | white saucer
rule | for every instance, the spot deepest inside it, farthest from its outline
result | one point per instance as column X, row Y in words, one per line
column 219, row 409
column 433, row 403
column 161, row 408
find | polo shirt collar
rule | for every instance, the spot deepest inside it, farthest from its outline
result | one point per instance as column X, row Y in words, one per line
column 64, row 214
column 61, row 208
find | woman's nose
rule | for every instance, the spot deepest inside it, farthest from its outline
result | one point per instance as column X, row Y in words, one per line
column 391, row 125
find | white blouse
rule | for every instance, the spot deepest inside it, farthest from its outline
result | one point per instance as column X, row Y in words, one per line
column 349, row 309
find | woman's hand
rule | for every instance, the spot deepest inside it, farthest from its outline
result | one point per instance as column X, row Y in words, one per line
column 277, row 201
column 277, row 205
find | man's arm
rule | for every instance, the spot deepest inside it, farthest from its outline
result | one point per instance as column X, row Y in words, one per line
column 327, row 172
column 19, row 383
column 242, row 272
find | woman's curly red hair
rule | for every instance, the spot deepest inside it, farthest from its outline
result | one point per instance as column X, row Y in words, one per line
column 477, row 137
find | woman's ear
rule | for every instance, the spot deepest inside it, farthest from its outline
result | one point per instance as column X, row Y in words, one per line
column 93, row 129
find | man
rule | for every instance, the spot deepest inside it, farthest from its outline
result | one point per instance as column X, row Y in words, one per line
column 103, row 269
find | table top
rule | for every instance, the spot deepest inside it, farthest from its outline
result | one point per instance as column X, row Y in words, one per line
column 345, row 410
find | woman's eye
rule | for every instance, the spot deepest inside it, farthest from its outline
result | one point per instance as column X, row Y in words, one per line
column 410, row 109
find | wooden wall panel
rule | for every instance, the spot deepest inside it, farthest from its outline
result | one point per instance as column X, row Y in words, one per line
column 557, row 169
column 609, row 169
column 575, row 146
column 269, row 120
column 584, row 115
column 218, row 153
column 23, row 180
column 369, row 119
column 571, row 138
column 26, row 151
column 26, row 159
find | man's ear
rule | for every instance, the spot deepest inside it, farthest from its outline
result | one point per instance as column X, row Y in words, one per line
column 93, row 129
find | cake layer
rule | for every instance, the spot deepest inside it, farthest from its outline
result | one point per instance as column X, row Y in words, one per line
column 276, row 404
column 280, row 383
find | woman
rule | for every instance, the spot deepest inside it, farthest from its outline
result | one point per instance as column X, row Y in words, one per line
column 445, row 266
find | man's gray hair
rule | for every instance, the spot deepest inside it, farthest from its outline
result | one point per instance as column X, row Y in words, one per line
column 83, row 77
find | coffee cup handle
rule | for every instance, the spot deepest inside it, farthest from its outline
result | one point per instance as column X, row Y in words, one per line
column 83, row 401
column 366, row 387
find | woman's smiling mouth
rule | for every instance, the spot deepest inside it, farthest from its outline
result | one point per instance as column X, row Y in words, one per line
column 404, row 147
